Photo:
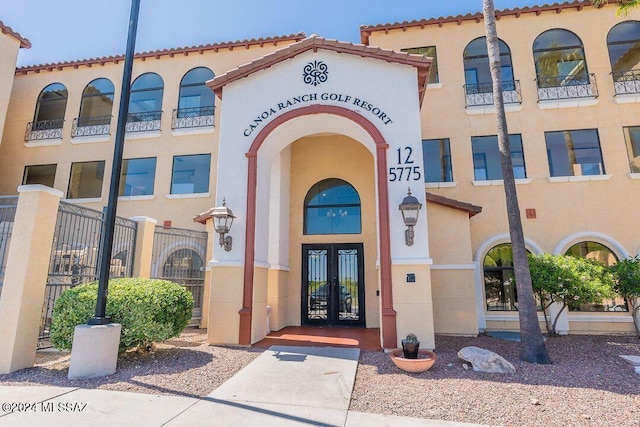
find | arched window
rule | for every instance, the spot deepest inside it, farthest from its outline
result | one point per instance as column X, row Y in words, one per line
column 602, row 254
column 559, row 59
column 623, row 42
column 95, row 109
column 332, row 206
column 145, row 103
column 49, row 115
column 195, row 100
column 499, row 279
column 97, row 99
column 477, row 73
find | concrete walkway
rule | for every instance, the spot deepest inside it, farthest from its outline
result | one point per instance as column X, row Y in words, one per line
column 284, row 386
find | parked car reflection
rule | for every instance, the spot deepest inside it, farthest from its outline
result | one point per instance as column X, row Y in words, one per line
column 318, row 298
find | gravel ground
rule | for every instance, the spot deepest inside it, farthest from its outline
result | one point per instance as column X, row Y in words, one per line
column 588, row 384
column 184, row 366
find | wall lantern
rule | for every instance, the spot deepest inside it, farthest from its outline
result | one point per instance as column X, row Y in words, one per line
column 222, row 221
column 409, row 207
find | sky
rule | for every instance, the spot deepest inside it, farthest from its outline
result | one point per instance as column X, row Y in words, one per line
column 67, row 30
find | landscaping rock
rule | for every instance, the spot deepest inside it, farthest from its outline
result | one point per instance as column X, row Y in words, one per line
column 486, row 361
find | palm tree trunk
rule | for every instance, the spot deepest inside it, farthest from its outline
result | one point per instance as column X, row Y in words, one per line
column 532, row 348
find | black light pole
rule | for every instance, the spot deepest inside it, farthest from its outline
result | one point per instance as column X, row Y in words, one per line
column 108, row 224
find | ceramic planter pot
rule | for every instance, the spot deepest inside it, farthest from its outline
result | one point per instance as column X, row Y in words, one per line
column 410, row 349
column 423, row 363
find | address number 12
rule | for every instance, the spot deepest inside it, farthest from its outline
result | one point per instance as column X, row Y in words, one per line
column 402, row 172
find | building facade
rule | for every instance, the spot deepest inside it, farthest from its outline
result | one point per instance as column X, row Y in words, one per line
column 314, row 144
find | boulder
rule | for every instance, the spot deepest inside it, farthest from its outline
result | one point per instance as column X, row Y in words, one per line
column 486, row 361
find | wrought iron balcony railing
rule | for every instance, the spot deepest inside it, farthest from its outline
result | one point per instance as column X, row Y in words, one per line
column 192, row 117
column 567, row 87
column 91, row 126
column 482, row 94
column 44, row 129
column 143, row 122
column 626, row 82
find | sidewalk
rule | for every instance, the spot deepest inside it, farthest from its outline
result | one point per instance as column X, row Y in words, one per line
column 284, row 386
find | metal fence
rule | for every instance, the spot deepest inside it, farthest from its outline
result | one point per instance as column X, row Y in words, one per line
column 179, row 256
column 74, row 255
column 8, row 206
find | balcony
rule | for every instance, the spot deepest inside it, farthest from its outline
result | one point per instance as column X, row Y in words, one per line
column 480, row 95
column 44, row 129
column 91, row 126
column 143, row 122
column 567, row 87
column 195, row 117
column 626, row 82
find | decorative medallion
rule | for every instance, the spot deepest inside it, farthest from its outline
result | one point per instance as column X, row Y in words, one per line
column 315, row 72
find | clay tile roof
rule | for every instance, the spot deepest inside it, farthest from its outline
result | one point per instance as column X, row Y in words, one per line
column 164, row 52
column 314, row 42
column 24, row 43
column 452, row 203
column 366, row 30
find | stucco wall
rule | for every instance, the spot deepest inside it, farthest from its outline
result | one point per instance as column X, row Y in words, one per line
column 600, row 209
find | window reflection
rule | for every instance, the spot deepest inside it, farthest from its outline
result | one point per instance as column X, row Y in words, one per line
column 332, row 206
column 486, row 157
column 600, row 253
column 559, row 59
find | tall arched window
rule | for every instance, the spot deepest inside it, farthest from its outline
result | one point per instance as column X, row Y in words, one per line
column 145, row 103
column 49, row 115
column 97, row 99
column 560, row 63
column 602, row 254
column 623, row 42
column 499, row 279
column 195, row 100
column 95, row 109
column 332, row 206
column 477, row 73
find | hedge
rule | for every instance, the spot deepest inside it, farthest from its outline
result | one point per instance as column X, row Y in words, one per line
column 149, row 310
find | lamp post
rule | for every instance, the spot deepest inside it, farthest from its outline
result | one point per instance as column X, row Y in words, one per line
column 108, row 224
column 222, row 221
column 409, row 207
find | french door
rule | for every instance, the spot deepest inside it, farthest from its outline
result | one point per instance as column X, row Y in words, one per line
column 333, row 284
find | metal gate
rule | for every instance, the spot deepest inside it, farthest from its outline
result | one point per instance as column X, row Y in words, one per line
column 179, row 256
column 8, row 206
column 333, row 284
column 74, row 255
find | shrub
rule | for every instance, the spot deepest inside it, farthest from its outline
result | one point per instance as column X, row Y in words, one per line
column 626, row 274
column 149, row 310
column 568, row 280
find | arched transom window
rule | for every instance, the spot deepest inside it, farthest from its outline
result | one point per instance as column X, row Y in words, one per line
column 332, row 206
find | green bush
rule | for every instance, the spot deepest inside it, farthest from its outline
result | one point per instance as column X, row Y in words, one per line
column 626, row 274
column 568, row 280
column 149, row 310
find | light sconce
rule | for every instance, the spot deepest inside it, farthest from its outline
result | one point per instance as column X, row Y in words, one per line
column 409, row 207
column 222, row 221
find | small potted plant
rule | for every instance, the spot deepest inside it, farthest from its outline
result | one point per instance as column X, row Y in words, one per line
column 410, row 347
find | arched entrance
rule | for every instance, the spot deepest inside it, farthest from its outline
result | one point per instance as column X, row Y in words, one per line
column 269, row 108
column 388, row 314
